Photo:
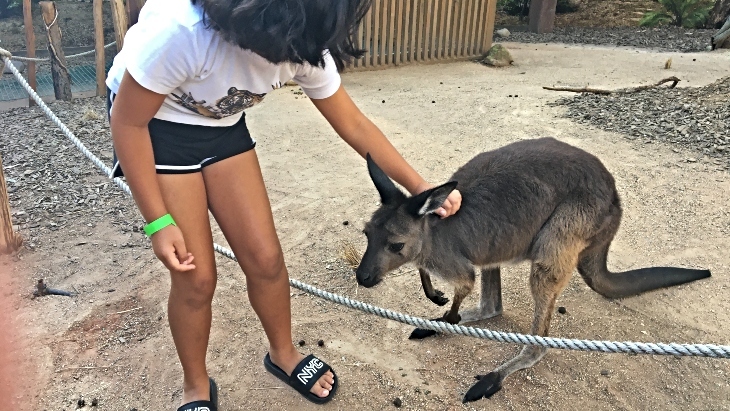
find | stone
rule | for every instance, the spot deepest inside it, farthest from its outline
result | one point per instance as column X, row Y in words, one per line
column 504, row 33
column 497, row 56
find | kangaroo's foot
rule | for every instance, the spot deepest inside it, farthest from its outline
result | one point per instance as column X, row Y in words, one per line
column 491, row 383
column 479, row 313
column 421, row 333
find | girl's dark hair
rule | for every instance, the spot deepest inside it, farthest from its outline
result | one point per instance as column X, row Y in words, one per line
column 294, row 31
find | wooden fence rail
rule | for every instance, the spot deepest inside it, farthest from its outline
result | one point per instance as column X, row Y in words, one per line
column 396, row 32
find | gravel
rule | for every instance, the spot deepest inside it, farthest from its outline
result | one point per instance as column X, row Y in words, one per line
column 697, row 118
column 663, row 39
column 52, row 185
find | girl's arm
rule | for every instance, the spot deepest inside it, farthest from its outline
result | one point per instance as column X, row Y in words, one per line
column 365, row 137
column 133, row 108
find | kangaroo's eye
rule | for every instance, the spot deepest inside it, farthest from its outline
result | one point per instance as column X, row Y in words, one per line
column 395, row 247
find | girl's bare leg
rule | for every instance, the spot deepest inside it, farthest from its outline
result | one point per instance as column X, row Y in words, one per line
column 239, row 202
column 191, row 292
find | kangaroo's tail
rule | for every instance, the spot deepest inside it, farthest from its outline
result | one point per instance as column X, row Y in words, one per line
column 592, row 266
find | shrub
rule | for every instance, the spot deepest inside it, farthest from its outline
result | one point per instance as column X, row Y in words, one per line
column 10, row 8
column 681, row 13
column 522, row 7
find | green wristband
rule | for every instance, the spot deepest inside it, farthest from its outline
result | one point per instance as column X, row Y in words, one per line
column 158, row 224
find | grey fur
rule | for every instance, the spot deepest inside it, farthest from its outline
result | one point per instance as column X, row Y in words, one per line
column 538, row 200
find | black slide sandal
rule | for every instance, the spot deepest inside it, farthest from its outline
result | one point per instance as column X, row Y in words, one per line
column 304, row 376
column 211, row 405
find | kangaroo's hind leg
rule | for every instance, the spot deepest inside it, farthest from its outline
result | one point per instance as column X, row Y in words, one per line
column 547, row 280
column 490, row 302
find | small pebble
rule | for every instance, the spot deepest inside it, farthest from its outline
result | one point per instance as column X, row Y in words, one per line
column 397, row 402
column 94, row 402
column 345, row 222
column 320, row 343
column 604, row 372
column 562, row 310
column 383, row 101
column 301, row 343
column 433, row 101
column 81, row 403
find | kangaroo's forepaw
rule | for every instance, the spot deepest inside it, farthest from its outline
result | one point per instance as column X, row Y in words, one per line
column 420, row 333
column 438, row 298
column 485, row 388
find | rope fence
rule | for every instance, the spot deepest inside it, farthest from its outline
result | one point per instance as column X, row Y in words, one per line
column 43, row 59
column 691, row 350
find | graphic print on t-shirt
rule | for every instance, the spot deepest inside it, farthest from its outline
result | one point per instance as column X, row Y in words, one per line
column 235, row 102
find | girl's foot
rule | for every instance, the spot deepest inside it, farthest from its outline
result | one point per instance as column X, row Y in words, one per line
column 287, row 360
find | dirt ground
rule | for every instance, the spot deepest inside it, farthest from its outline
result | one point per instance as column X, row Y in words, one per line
column 112, row 343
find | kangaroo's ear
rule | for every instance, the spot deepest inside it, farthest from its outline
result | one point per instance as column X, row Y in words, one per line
column 389, row 193
column 430, row 200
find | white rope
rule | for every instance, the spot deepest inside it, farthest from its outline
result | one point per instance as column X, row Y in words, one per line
column 42, row 59
column 695, row 350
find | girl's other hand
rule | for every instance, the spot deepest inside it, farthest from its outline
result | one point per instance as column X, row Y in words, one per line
column 169, row 247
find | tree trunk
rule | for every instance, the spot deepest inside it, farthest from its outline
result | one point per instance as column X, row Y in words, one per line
column 721, row 39
column 719, row 14
column 10, row 241
column 59, row 70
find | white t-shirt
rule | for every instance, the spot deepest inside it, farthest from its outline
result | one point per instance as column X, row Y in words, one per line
column 208, row 81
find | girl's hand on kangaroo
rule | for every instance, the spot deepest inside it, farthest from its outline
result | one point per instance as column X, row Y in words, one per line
column 169, row 247
column 451, row 205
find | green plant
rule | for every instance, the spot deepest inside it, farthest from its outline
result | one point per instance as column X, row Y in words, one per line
column 681, row 13
column 10, row 8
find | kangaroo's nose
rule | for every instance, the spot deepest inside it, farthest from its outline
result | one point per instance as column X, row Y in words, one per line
column 367, row 280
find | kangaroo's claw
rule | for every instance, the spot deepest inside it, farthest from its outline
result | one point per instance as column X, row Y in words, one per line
column 438, row 298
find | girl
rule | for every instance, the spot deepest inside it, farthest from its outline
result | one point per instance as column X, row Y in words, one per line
column 177, row 95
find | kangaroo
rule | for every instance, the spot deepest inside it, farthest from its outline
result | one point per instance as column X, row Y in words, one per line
column 540, row 200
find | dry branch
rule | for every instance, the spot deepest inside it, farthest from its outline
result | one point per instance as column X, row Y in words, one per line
column 42, row 289
column 673, row 80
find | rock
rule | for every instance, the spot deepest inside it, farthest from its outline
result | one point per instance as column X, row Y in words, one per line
column 397, row 402
column 497, row 56
column 504, row 33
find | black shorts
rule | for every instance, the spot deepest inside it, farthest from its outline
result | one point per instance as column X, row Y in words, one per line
column 184, row 148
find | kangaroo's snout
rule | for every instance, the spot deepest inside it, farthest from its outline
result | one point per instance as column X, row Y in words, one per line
column 366, row 279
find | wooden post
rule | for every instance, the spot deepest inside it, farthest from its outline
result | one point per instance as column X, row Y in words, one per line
column 29, row 45
column 10, row 241
column 59, row 71
column 542, row 15
column 133, row 8
column 119, row 17
column 489, row 24
column 99, row 47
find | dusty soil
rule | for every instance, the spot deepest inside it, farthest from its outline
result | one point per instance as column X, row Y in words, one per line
column 111, row 342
